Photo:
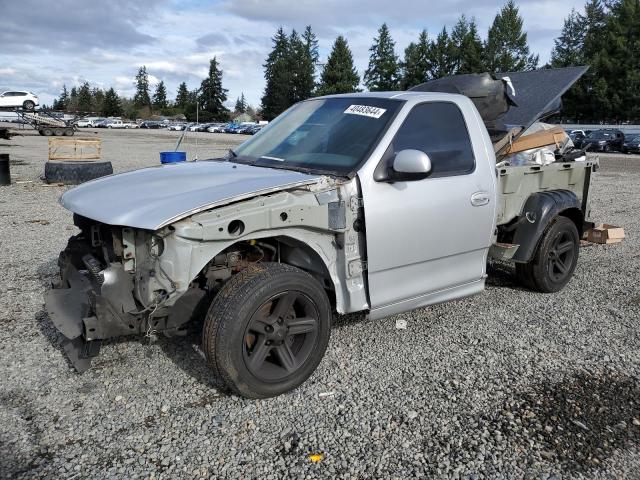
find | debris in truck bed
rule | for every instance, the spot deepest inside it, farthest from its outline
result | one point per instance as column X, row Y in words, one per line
column 553, row 136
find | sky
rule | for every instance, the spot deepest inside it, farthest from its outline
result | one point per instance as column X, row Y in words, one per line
column 104, row 43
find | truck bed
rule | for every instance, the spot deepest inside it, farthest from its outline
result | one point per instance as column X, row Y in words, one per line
column 516, row 184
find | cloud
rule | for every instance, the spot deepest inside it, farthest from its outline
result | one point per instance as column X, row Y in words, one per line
column 69, row 41
column 213, row 39
column 67, row 24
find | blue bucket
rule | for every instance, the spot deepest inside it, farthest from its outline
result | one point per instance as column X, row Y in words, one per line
column 173, row 157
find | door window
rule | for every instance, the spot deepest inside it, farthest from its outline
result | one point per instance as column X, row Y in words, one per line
column 439, row 130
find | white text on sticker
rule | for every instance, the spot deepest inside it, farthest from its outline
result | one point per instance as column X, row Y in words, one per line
column 365, row 111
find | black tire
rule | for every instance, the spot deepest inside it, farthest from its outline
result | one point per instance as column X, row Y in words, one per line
column 47, row 132
column 555, row 258
column 75, row 172
column 606, row 149
column 58, row 132
column 68, row 132
column 28, row 105
column 246, row 335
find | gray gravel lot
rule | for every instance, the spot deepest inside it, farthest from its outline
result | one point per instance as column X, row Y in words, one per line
column 508, row 384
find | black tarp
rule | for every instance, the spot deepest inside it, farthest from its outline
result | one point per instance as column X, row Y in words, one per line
column 536, row 94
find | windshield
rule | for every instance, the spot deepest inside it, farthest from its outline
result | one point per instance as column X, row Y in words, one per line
column 330, row 134
column 600, row 135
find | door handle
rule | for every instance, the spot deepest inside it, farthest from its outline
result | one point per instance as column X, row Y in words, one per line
column 479, row 199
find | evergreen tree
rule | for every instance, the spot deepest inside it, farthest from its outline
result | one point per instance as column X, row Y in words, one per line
column 84, row 98
column 311, row 44
column 72, row 104
column 160, row 96
column 62, row 101
column 182, row 98
column 568, row 49
column 339, row 74
column 442, row 61
column 467, row 47
column 595, row 92
column 97, row 99
column 301, row 69
column 383, row 71
column 141, row 98
column 618, row 64
column 241, row 104
column 303, row 58
column 212, row 95
column 506, row 49
column 583, row 41
column 111, row 106
column 416, row 65
column 277, row 98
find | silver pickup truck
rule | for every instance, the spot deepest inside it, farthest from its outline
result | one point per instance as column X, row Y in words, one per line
column 374, row 202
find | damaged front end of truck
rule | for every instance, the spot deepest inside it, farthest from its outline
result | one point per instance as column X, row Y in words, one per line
column 156, row 275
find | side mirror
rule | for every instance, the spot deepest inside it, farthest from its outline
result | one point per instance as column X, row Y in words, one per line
column 410, row 165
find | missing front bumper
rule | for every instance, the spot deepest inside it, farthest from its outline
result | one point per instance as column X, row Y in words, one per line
column 80, row 310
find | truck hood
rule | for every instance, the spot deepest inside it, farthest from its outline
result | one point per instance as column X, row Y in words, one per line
column 154, row 197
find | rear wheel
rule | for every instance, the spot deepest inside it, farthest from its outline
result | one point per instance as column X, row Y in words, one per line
column 555, row 259
column 47, row 132
column 58, row 132
column 267, row 330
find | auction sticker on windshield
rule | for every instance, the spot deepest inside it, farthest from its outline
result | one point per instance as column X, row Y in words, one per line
column 365, row 111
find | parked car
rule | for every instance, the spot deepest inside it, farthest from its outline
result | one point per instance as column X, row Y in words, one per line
column 177, row 126
column 18, row 99
column 88, row 122
column 150, row 124
column 273, row 239
column 217, row 128
column 121, row 124
column 102, row 123
column 606, row 140
column 232, row 128
column 245, row 129
column 631, row 144
column 577, row 137
column 200, row 127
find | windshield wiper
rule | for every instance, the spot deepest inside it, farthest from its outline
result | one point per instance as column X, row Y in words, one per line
column 233, row 154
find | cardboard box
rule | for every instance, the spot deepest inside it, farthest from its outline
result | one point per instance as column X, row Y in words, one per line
column 554, row 136
column 605, row 233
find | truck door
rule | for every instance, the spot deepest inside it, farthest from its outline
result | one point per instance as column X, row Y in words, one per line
column 428, row 239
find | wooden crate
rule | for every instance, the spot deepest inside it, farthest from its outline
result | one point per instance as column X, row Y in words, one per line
column 71, row 148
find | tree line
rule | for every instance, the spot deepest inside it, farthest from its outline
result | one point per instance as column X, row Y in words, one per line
column 289, row 71
column 209, row 99
column 605, row 37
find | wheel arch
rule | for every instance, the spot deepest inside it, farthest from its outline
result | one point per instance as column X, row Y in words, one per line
column 303, row 254
column 540, row 209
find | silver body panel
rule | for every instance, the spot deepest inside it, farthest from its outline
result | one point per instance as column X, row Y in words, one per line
column 427, row 240
column 152, row 198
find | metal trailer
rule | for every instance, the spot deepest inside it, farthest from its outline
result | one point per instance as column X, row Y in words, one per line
column 46, row 123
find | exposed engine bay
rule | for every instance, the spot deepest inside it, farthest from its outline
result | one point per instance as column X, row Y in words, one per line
column 117, row 281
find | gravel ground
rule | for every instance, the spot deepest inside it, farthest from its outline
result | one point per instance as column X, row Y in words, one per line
column 508, row 384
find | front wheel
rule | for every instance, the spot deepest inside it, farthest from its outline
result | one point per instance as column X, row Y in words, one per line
column 267, row 330
column 28, row 105
column 555, row 259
